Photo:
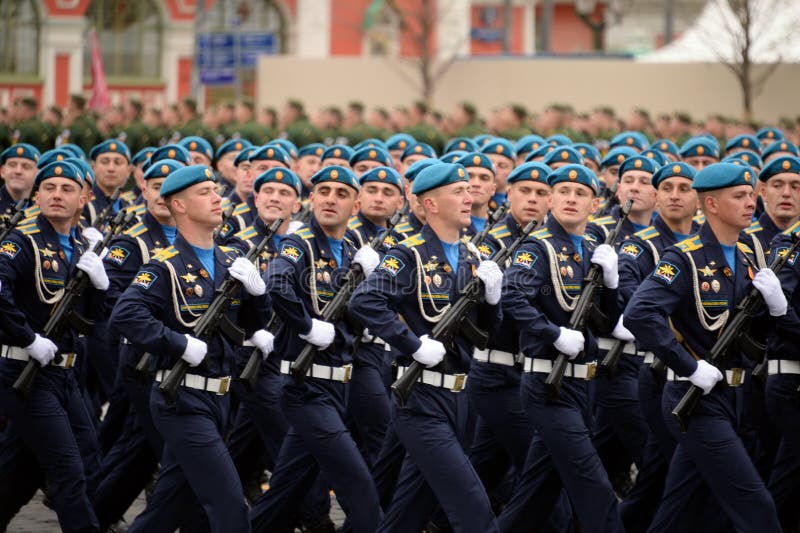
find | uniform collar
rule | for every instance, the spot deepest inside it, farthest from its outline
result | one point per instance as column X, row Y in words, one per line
column 193, row 264
column 51, row 236
column 415, row 223
column 324, row 248
column 768, row 227
column 154, row 226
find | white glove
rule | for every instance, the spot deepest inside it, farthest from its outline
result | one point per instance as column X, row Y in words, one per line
column 492, row 278
column 621, row 332
column 570, row 342
column 91, row 263
column 706, row 376
column 42, row 349
column 366, row 336
column 264, row 341
column 605, row 256
column 367, row 258
column 430, row 352
column 320, row 335
column 195, row 351
column 769, row 286
column 246, row 272
column 92, row 236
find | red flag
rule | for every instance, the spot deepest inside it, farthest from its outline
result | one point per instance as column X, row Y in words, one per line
column 100, row 98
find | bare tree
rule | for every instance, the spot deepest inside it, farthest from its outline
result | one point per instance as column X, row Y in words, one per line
column 613, row 12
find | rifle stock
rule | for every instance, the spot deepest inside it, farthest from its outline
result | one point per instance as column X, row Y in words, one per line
column 16, row 218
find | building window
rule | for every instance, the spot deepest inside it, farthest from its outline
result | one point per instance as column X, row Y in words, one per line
column 382, row 32
column 19, row 37
column 129, row 33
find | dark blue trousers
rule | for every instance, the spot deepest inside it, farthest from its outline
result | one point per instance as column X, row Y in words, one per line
column 370, row 402
column 783, row 405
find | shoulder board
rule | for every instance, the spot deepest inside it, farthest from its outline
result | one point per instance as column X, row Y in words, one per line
column 543, row 233
column 247, row 233
column 647, row 233
column 744, row 248
column 29, row 229
column 589, row 237
column 414, row 240
column 230, row 250
column 699, row 219
column 755, row 227
column 128, row 196
column 691, row 244
column 304, row 233
column 500, row 231
column 792, row 229
column 165, row 254
column 138, row 209
column 136, row 230
column 354, row 223
column 32, row 211
column 403, row 227
column 604, row 221
column 350, row 241
column 226, row 202
column 241, row 209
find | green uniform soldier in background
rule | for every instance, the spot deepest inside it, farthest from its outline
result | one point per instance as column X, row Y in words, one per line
column 296, row 126
column 136, row 134
column 26, row 128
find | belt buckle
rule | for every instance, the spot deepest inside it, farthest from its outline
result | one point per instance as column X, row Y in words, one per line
column 458, row 385
column 591, row 370
column 224, row 384
column 348, row 372
column 69, row 360
column 737, row 377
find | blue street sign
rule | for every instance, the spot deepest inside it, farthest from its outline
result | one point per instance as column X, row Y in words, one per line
column 219, row 54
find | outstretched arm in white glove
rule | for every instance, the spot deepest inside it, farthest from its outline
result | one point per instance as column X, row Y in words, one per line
column 769, row 286
column 492, row 278
column 246, row 272
column 91, row 263
column 367, row 258
column 605, row 256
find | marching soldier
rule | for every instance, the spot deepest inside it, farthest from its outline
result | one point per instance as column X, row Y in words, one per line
column 501, row 152
column 482, row 186
column 677, row 313
column 224, row 161
column 111, row 165
column 199, row 149
column 18, row 170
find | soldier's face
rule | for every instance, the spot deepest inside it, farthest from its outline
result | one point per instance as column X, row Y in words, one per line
column 244, row 183
column 502, row 168
column 410, row 160
column 18, row 174
column 333, row 204
column 450, row 204
column 225, row 166
column 275, row 200
column 482, row 186
column 305, row 167
column 379, row 200
column 610, row 175
column 258, row 167
column 60, row 198
column 732, row 206
column 363, row 167
column 636, row 184
column 198, row 205
column 199, row 158
column 333, row 161
column 782, row 197
column 111, row 170
column 155, row 203
column 572, row 203
column 529, row 200
column 676, row 200
column 699, row 161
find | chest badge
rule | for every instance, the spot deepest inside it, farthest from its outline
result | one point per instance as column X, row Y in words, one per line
column 189, row 277
column 715, row 286
column 47, row 253
column 198, row 290
column 707, row 271
column 320, row 263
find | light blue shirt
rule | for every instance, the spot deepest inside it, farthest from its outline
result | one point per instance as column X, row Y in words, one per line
column 206, row 257
column 336, row 249
column 451, row 254
column 730, row 256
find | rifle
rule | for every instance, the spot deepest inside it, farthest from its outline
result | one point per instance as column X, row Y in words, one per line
column 226, row 216
column 731, row 334
column 611, row 359
column 251, row 370
column 494, row 218
column 215, row 318
column 103, row 215
column 583, row 308
column 335, row 309
column 16, row 218
column 304, row 215
column 455, row 318
column 63, row 313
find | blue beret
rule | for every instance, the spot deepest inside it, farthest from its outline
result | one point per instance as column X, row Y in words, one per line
column 110, row 146
column 143, row 155
column 748, row 156
column 617, row 155
column 451, row 157
column 244, row 155
column 771, row 133
column 699, row 146
column 465, row 144
column 748, row 142
column 656, row 155
column 638, row 162
column 279, row 175
column 193, row 143
column 533, row 171
column 234, row 145
column 482, row 139
column 185, row 177
column 782, row 146
column 271, row 152
column 418, row 149
column 315, row 149
column 163, row 169
column 54, row 155
column 287, row 145
column 59, row 169
column 438, row 175
column 371, row 153
column 528, row 144
column 722, row 175
column 672, row 170
column 779, row 165
column 336, row 174
column 476, row 159
column 338, row 151
column 710, row 138
column 417, row 166
column 666, row 146
column 383, row 175
column 559, row 140
column 499, row 146
column 399, row 141
column 575, row 174
column 633, row 139
column 169, row 151
column 588, row 151
column 75, row 149
column 563, row 154
column 84, row 168
column 370, row 143
column 23, row 150
column 542, row 152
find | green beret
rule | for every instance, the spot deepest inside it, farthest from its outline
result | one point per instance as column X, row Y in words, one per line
column 789, row 164
column 533, row 171
column 59, row 169
column 723, row 175
column 575, row 174
column 279, row 175
column 336, row 173
column 438, row 175
column 671, row 170
column 184, row 178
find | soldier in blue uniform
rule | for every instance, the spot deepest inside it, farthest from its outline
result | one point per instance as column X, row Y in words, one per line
column 504, row 159
column 18, row 170
column 199, row 149
column 224, row 162
column 156, row 313
column 369, row 157
column 111, row 165
column 677, row 313
column 541, row 288
column 130, row 463
column 336, row 154
column 302, row 280
column 308, row 163
column 36, row 262
column 482, row 187
column 699, row 152
column 419, row 278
